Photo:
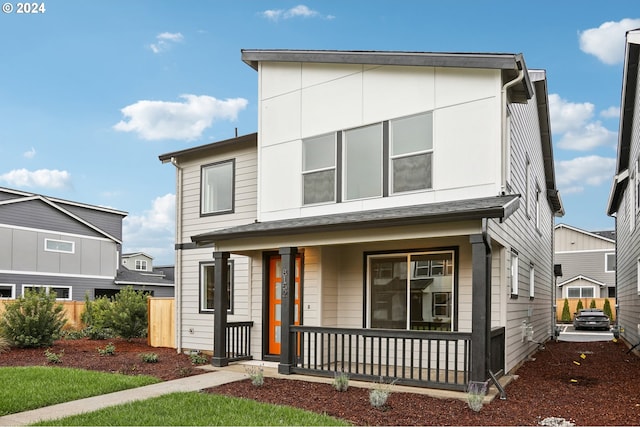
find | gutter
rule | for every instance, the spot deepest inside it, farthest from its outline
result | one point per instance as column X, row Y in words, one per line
column 178, row 258
column 505, row 137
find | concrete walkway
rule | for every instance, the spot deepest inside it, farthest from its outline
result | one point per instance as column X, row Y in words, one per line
column 217, row 376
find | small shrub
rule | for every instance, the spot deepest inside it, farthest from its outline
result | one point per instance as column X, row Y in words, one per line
column 33, row 320
column 53, row 357
column 579, row 306
column 592, row 304
column 74, row 334
column 108, row 350
column 198, row 358
column 607, row 309
column 96, row 316
column 129, row 314
column 256, row 373
column 149, row 357
column 341, row 381
column 566, row 312
column 475, row 395
column 380, row 393
column 99, row 334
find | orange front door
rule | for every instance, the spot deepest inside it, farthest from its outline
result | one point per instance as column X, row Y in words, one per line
column 275, row 301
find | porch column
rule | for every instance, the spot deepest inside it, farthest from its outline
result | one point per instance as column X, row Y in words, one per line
column 481, row 307
column 287, row 309
column 220, row 304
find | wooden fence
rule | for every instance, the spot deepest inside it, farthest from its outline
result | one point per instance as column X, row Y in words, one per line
column 586, row 302
column 161, row 332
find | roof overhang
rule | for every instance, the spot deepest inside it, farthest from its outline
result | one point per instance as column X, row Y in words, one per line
column 500, row 208
column 166, row 158
column 510, row 64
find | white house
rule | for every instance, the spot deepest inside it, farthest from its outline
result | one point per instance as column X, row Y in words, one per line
column 393, row 216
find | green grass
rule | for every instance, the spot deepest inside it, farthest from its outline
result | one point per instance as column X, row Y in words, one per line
column 197, row 409
column 25, row 388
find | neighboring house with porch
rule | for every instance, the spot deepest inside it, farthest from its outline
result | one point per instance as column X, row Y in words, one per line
column 624, row 200
column 66, row 247
column 588, row 260
column 393, row 216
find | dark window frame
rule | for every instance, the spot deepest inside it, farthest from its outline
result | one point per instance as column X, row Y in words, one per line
column 233, row 188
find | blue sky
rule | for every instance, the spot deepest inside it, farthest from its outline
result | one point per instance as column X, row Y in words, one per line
column 92, row 92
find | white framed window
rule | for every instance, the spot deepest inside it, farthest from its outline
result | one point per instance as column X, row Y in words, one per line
column 217, row 188
column 413, row 290
column 610, row 263
column 141, row 264
column 513, row 273
column 532, row 280
column 62, row 292
column 362, row 149
column 411, row 140
column 580, row 292
column 207, row 287
column 62, row 246
column 319, row 169
column 7, row 291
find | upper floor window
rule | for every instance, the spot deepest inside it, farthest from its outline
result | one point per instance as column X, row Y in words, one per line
column 370, row 161
column 141, row 264
column 63, row 246
column 411, row 152
column 217, row 188
column 319, row 169
column 610, row 263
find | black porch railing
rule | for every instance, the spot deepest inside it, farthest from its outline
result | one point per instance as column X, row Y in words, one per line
column 238, row 342
column 496, row 362
column 432, row 359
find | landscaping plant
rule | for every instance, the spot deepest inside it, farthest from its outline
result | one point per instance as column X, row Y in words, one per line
column 592, row 304
column 53, row 357
column 341, row 381
column 579, row 306
column 606, row 309
column 566, row 312
column 198, row 358
column 149, row 357
column 33, row 320
column 380, row 393
column 256, row 373
column 108, row 350
column 475, row 395
column 129, row 313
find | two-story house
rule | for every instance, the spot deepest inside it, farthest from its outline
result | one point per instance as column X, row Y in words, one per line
column 393, row 216
column 66, row 247
column 624, row 200
column 588, row 260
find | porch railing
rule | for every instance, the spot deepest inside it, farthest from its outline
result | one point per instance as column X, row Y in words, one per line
column 238, row 343
column 421, row 358
column 497, row 351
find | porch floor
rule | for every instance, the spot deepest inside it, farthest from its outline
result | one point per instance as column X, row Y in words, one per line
column 270, row 369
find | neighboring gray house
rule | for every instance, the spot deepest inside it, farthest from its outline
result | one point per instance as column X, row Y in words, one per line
column 137, row 270
column 394, row 210
column 624, row 201
column 62, row 246
column 588, row 262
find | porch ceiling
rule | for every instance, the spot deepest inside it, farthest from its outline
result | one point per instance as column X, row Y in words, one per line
column 500, row 207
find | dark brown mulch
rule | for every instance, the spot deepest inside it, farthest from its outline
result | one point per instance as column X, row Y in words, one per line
column 603, row 388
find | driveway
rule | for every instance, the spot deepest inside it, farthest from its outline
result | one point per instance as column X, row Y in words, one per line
column 568, row 333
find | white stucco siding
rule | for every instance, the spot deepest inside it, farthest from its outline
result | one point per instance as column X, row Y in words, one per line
column 329, row 98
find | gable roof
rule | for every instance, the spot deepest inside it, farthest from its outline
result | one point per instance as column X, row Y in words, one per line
column 132, row 277
column 584, row 278
column 499, row 207
column 607, row 235
column 62, row 206
column 510, row 64
column 627, row 113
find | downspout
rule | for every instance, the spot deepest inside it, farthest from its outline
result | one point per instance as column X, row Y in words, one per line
column 504, row 136
column 178, row 266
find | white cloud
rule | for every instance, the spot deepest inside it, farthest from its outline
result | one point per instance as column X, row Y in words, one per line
column 165, row 40
column 591, row 136
column 41, row 178
column 607, row 42
column 300, row 11
column 567, row 115
column 573, row 175
column 30, row 154
column 611, row 113
column 156, row 120
column 153, row 231
column 573, row 126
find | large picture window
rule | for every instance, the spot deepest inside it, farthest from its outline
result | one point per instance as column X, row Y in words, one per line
column 319, row 169
column 580, row 292
column 62, row 292
column 217, row 188
column 207, row 286
column 412, row 291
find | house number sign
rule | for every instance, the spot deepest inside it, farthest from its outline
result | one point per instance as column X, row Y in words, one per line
column 285, row 283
